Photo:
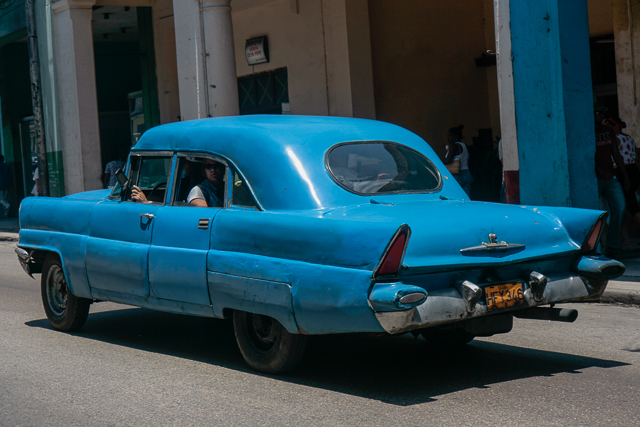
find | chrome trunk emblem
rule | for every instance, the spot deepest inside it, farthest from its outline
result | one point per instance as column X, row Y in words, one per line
column 494, row 245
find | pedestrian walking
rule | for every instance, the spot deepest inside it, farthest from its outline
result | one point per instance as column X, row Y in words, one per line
column 609, row 187
column 627, row 149
column 36, row 191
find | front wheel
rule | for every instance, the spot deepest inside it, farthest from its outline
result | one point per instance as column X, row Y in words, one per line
column 265, row 344
column 65, row 311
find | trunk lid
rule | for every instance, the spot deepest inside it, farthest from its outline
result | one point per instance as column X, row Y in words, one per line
column 441, row 229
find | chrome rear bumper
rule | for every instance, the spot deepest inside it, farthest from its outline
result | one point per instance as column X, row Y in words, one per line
column 467, row 300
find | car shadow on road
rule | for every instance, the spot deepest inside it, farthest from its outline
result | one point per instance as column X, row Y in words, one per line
column 399, row 370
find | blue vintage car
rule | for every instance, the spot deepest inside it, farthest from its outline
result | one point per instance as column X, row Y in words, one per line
column 298, row 226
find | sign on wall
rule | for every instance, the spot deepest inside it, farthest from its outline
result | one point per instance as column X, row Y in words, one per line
column 257, row 50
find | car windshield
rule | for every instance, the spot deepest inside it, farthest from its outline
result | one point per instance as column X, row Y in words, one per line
column 382, row 167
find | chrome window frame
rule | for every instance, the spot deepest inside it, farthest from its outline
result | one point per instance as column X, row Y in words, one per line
column 149, row 153
column 228, row 178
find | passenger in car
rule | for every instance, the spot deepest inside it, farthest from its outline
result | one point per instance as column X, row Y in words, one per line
column 211, row 191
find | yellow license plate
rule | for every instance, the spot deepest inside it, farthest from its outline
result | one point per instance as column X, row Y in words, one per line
column 504, row 295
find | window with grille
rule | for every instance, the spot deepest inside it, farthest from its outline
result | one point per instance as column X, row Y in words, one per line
column 263, row 93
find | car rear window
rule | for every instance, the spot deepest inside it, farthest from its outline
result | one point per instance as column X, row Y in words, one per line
column 382, row 167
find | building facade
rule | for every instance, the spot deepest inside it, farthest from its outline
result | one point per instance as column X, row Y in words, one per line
column 113, row 68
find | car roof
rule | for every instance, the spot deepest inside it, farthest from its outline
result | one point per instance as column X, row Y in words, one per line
column 282, row 157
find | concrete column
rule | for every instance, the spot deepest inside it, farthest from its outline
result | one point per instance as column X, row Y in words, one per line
column 549, row 125
column 222, row 80
column 78, row 103
column 190, row 57
column 510, row 158
column 206, row 62
column 348, row 58
column 166, row 58
column 626, row 28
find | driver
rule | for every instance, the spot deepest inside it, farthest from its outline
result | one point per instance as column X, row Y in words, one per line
column 211, row 191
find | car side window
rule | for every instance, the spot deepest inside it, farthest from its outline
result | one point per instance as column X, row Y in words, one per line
column 201, row 181
column 151, row 175
column 240, row 193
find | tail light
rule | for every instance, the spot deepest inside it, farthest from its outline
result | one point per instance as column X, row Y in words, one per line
column 591, row 241
column 394, row 253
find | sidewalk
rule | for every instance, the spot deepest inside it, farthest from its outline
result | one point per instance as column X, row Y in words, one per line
column 623, row 290
column 9, row 229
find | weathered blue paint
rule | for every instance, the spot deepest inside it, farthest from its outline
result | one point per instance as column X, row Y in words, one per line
column 307, row 258
column 178, row 254
column 553, row 102
column 257, row 296
column 118, row 247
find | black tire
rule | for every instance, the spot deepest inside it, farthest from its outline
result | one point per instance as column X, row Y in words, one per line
column 65, row 311
column 447, row 337
column 265, row 344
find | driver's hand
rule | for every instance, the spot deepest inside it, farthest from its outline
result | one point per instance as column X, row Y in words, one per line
column 137, row 195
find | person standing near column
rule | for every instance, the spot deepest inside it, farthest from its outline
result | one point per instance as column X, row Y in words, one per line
column 608, row 185
column 5, row 184
column 458, row 151
column 627, row 149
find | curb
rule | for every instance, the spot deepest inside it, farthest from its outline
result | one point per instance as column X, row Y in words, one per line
column 9, row 237
column 618, row 297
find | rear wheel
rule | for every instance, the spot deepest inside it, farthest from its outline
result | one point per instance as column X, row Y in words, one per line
column 265, row 344
column 65, row 311
column 447, row 336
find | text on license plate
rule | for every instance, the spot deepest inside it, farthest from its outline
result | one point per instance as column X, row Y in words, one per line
column 504, row 295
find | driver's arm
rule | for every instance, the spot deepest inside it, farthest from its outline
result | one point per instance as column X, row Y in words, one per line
column 137, row 195
column 198, row 203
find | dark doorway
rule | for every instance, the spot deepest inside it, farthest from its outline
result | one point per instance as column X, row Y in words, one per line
column 603, row 72
column 125, row 77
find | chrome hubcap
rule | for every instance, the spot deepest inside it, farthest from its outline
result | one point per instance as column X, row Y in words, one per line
column 57, row 290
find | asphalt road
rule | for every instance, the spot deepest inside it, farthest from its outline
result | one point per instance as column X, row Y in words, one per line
column 130, row 366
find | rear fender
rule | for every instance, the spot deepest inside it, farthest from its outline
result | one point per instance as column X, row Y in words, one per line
column 577, row 223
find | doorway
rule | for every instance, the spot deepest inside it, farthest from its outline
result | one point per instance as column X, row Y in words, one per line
column 125, row 77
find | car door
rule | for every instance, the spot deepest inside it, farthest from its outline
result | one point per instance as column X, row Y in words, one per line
column 181, row 239
column 120, row 232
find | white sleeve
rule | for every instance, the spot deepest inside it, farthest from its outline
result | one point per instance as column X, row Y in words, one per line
column 195, row 193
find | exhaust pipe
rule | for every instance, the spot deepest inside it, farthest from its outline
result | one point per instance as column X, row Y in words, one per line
column 568, row 315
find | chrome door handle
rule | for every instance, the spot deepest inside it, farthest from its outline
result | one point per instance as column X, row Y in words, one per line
column 147, row 215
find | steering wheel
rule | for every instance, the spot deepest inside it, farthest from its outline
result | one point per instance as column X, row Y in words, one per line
column 156, row 187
